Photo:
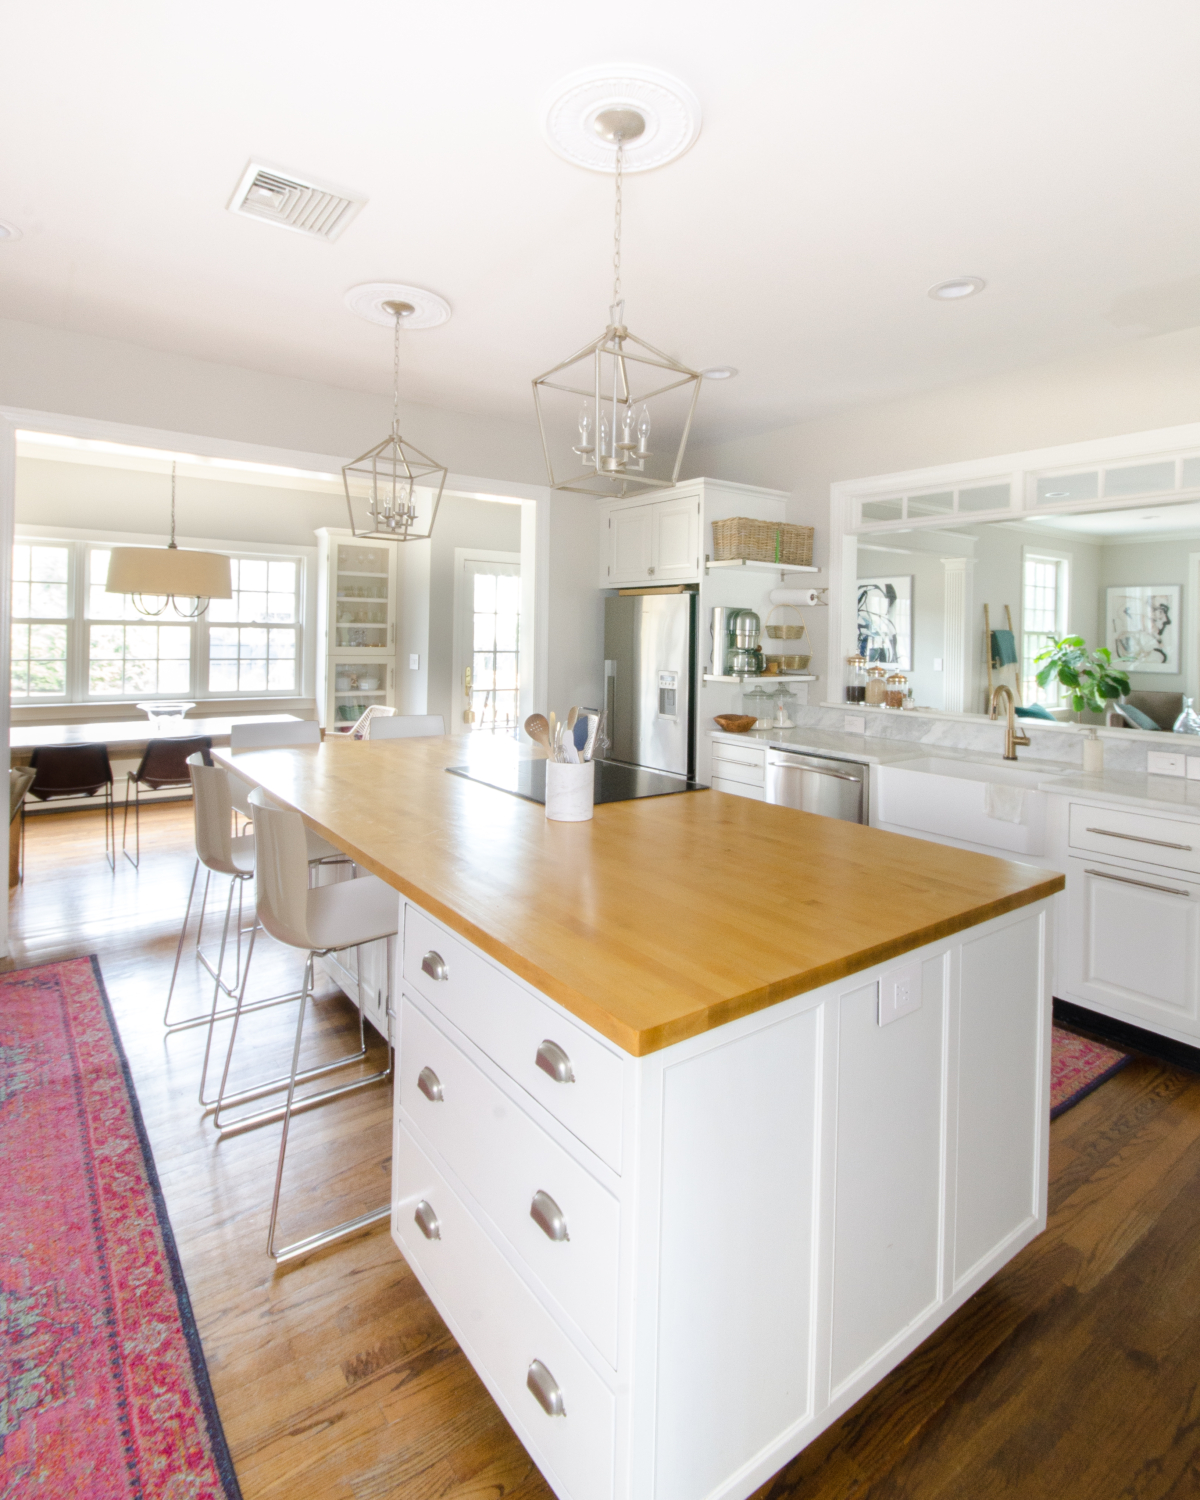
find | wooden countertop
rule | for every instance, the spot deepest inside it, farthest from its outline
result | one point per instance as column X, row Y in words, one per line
column 659, row 919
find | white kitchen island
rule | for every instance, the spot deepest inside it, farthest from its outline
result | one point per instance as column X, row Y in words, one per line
column 688, row 1163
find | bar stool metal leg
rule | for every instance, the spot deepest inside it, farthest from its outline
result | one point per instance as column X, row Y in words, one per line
column 300, row 1248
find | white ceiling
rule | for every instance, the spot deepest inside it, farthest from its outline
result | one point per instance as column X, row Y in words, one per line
column 1144, row 522
column 851, row 155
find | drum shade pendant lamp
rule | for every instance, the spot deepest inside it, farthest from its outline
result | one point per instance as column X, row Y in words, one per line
column 386, row 488
column 619, row 378
column 170, row 576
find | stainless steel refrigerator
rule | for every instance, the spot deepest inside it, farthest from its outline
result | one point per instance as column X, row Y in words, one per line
column 649, row 673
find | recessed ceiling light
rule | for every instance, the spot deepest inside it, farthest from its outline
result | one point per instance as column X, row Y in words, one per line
column 9, row 231
column 719, row 372
column 956, row 288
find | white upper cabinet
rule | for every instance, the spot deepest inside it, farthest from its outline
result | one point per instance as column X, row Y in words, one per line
column 650, row 542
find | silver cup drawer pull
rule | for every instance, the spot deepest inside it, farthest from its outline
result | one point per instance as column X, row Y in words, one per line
column 553, row 1060
column 546, row 1389
column 430, row 1085
column 427, row 1221
column 548, row 1217
column 434, row 965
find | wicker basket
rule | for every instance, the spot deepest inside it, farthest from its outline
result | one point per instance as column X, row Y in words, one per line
column 762, row 541
column 786, row 632
column 793, row 663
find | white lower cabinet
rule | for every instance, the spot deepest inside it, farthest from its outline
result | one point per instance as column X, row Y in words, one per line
column 1130, row 943
column 738, row 789
column 740, row 769
column 758, row 1244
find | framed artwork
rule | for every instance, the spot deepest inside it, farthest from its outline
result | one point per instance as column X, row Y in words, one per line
column 885, row 621
column 1143, row 627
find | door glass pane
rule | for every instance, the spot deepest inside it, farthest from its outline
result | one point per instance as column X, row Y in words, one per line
column 494, row 592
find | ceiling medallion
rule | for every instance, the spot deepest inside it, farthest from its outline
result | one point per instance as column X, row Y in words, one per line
column 669, row 111
column 618, row 375
column 393, row 490
column 371, row 301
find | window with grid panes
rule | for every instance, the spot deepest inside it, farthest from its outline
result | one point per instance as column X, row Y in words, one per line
column 1043, row 614
column 495, row 622
column 252, row 637
column 41, row 613
column 129, row 654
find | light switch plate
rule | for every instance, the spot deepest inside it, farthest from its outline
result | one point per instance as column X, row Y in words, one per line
column 1164, row 763
column 899, row 992
column 937, row 663
column 852, row 724
column 414, row 662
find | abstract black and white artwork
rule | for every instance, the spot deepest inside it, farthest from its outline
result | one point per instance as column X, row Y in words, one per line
column 1143, row 626
column 885, row 621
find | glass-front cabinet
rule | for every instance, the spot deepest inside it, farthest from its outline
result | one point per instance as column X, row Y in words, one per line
column 357, row 611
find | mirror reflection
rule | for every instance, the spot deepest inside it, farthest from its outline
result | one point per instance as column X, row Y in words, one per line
column 999, row 591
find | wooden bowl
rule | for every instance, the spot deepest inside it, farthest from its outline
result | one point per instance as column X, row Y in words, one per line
column 735, row 723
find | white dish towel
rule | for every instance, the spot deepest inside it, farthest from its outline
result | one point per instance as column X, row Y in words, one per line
column 1004, row 803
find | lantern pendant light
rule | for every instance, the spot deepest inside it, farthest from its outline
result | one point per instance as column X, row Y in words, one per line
column 618, row 376
column 381, row 485
column 169, row 574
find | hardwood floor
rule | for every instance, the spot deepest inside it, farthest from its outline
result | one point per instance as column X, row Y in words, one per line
column 1074, row 1373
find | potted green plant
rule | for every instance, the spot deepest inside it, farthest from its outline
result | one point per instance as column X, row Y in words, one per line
column 1089, row 676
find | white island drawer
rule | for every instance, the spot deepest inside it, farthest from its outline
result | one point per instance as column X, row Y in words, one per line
column 744, row 763
column 1137, row 836
column 502, row 1329
column 738, row 789
column 504, row 1159
column 515, row 1028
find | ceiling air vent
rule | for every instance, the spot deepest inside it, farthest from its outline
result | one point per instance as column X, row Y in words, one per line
column 293, row 202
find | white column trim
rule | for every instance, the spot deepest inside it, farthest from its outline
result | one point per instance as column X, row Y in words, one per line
column 958, row 576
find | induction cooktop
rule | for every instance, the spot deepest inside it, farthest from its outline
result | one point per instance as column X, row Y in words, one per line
column 615, row 782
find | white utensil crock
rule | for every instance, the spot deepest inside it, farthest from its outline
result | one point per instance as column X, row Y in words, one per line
column 570, row 791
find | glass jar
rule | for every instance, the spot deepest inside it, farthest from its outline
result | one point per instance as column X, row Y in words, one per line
column 875, row 693
column 856, row 679
column 897, row 690
column 1188, row 721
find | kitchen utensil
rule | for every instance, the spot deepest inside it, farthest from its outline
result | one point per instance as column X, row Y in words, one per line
column 580, row 731
column 735, row 723
column 554, row 734
column 538, row 731
column 572, row 716
column 593, row 731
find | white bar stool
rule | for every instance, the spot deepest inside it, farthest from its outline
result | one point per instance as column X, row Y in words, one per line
column 221, row 853
column 321, row 920
column 266, row 737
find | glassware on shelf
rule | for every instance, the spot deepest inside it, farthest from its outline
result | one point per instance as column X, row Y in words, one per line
column 759, row 702
column 1188, row 721
column 856, row 679
column 876, row 690
column 896, row 690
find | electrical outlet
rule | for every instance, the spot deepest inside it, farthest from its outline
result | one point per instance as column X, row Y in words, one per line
column 852, row 724
column 1163, row 763
column 899, row 992
column 414, row 662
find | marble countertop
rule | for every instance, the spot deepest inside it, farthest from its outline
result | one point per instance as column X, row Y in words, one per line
column 1163, row 793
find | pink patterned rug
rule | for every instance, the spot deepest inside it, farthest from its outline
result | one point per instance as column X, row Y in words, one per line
column 103, row 1387
column 1077, row 1067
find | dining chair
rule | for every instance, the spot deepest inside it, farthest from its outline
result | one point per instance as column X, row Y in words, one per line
column 77, row 771
column 318, row 920
column 407, row 726
column 164, row 765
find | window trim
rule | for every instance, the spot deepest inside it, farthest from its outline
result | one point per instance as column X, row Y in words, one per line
column 1062, row 606
column 82, row 541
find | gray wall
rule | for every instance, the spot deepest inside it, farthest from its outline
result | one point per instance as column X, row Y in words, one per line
column 1148, row 563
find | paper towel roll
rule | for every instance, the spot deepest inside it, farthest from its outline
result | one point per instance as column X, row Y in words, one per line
column 793, row 596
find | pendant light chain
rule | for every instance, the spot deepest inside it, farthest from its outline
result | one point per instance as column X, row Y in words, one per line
column 617, row 227
column 171, row 543
column 396, row 376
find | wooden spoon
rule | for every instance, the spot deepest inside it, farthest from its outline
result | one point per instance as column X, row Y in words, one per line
column 538, row 731
column 571, row 717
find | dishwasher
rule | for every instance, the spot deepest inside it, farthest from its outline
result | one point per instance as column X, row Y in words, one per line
column 816, row 784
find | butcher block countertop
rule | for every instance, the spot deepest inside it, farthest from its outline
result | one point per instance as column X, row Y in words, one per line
column 659, row 919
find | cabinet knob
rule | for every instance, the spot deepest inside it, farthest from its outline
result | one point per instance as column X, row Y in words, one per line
column 546, row 1389
column 548, row 1217
column 553, row 1060
column 427, row 1221
column 430, row 1085
column 434, row 965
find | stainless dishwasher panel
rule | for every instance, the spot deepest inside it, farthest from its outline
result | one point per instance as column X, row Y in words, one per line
column 832, row 788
